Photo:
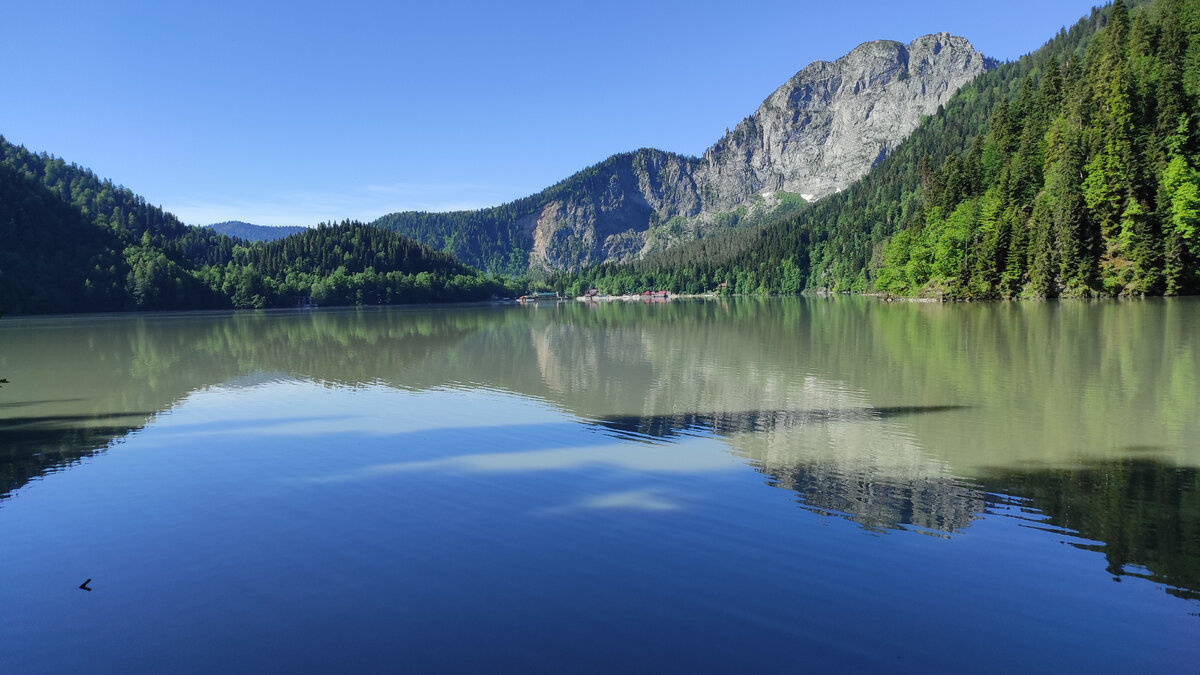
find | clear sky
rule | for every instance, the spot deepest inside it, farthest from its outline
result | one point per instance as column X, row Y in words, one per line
column 293, row 113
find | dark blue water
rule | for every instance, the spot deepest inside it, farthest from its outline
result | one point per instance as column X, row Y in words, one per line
column 691, row 488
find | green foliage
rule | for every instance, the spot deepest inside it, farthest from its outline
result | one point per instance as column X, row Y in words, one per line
column 74, row 243
column 1085, row 202
column 348, row 264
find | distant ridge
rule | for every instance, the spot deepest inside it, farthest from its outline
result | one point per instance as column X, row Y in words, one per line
column 252, row 232
column 819, row 132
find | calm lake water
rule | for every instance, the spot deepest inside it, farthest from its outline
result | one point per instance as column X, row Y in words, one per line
column 776, row 485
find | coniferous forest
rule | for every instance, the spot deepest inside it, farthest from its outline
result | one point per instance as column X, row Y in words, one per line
column 76, row 243
column 1085, row 185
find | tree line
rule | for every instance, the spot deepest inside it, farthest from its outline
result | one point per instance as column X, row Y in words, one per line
column 76, row 243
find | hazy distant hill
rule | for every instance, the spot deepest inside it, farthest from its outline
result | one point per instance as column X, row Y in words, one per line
column 252, row 232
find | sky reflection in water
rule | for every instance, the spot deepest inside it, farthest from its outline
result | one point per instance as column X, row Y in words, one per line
column 705, row 486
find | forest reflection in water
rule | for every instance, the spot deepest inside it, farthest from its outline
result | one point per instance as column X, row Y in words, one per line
column 1078, row 417
column 1142, row 514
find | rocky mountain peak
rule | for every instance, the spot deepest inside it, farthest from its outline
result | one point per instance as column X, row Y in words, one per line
column 816, row 134
column 832, row 121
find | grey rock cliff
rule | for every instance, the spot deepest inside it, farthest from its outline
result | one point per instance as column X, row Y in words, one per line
column 815, row 135
column 831, row 122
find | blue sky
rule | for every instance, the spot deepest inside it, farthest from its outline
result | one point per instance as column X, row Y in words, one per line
column 294, row 113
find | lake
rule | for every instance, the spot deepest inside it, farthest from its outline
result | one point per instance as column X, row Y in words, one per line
column 801, row 484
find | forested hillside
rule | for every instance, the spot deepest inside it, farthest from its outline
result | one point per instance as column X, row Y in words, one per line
column 498, row 242
column 75, row 243
column 1071, row 172
column 1085, row 185
column 346, row 264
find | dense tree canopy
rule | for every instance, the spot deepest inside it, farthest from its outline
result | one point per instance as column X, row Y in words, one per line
column 75, row 243
column 1085, row 185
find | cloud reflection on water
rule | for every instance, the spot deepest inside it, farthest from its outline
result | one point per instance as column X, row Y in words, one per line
column 691, row 456
column 629, row 500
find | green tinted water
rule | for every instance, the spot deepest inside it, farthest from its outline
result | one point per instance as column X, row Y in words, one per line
column 597, row 486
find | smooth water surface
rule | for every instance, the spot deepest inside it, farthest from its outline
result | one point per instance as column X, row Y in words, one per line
column 776, row 485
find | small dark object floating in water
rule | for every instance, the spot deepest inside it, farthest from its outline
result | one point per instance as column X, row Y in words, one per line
column 84, row 585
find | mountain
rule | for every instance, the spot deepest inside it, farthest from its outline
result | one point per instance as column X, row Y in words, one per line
column 1072, row 172
column 819, row 132
column 831, row 123
column 251, row 232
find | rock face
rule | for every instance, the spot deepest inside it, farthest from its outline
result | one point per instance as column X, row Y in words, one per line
column 815, row 135
column 609, row 218
column 828, row 125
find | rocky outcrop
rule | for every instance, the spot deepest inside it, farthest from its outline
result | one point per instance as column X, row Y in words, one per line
column 822, row 130
column 828, row 125
column 605, row 218
column 815, row 135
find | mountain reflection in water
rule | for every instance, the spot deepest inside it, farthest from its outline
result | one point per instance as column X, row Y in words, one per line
column 669, row 426
column 788, row 369
column 1144, row 513
column 930, row 501
column 33, row 446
